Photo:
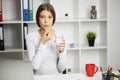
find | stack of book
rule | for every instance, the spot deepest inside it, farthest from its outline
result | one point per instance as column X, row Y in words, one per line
column 1, row 18
column 1, row 37
column 27, row 10
column 25, row 34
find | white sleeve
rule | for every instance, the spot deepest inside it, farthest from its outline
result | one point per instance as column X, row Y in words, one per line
column 37, row 56
column 62, row 59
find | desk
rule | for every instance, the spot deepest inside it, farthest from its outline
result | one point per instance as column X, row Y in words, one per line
column 76, row 76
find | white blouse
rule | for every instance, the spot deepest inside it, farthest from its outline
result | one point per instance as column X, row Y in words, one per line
column 45, row 58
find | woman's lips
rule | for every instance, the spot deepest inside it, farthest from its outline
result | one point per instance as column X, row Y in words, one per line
column 45, row 25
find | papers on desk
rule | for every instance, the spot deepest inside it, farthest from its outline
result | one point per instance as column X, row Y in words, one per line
column 76, row 76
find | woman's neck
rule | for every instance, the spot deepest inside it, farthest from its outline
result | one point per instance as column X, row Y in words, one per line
column 41, row 32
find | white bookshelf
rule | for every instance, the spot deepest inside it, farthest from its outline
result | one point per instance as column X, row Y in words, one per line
column 75, row 27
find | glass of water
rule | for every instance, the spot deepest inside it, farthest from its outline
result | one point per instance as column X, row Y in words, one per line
column 58, row 38
column 58, row 41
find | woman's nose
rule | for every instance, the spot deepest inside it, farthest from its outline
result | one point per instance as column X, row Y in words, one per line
column 46, row 20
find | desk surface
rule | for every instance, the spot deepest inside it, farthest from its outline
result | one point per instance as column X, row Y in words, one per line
column 76, row 76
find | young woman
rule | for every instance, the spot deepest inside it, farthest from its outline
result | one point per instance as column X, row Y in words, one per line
column 46, row 56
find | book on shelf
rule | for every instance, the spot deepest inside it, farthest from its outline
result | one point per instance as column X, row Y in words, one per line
column 25, row 10
column 25, row 34
column 30, row 10
column 1, row 37
column 1, row 18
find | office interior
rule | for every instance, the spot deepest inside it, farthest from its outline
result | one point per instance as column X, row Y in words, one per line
column 76, row 24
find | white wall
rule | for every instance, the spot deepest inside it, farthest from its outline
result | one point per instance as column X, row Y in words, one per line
column 114, row 33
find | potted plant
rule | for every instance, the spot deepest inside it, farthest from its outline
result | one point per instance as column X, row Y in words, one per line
column 91, row 36
column 68, row 70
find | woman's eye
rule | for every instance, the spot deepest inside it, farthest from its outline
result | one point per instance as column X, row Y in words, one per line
column 41, row 16
column 50, row 17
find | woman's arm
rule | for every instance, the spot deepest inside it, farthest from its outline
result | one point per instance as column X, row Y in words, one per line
column 62, row 61
column 62, row 56
column 35, row 55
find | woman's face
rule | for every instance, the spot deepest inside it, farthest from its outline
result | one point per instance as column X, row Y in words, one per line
column 46, row 19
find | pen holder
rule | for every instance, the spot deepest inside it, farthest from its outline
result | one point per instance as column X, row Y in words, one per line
column 110, row 76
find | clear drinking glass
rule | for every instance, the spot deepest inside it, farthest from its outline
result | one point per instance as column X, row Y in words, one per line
column 58, row 41
column 58, row 38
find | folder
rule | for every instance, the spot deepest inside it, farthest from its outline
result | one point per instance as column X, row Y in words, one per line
column 25, row 10
column 1, row 19
column 1, row 37
column 25, row 34
column 31, row 10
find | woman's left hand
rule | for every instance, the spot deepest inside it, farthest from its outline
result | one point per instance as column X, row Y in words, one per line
column 61, row 46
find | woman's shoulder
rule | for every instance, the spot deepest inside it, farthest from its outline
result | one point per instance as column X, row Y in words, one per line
column 33, row 34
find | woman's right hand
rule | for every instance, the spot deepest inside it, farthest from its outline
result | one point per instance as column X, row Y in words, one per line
column 47, row 36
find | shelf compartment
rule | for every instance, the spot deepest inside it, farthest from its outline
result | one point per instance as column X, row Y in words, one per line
column 73, row 61
column 85, row 7
column 12, row 36
column 11, row 10
column 66, row 7
column 101, row 30
column 98, row 57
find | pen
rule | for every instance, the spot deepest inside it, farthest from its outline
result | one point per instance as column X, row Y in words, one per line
column 102, row 73
column 108, row 75
column 111, row 70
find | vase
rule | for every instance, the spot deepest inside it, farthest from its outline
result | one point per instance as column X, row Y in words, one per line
column 93, row 12
column 91, row 42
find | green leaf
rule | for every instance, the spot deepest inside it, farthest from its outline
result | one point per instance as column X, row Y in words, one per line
column 91, row 35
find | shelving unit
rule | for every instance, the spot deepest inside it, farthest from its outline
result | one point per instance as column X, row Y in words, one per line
column 74, row 26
